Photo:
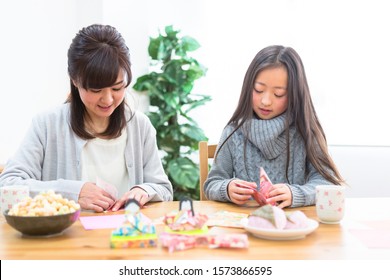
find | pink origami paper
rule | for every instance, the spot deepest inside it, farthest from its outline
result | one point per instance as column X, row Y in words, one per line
column 262, row 195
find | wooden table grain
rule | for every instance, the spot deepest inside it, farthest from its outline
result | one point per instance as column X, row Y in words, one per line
column 365, row 219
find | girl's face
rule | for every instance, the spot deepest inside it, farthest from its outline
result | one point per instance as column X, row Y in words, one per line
column 269, row 96
column 100, row 103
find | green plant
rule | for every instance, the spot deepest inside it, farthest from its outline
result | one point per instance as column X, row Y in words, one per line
column 169, row 89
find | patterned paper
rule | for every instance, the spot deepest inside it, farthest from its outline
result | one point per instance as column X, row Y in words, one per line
column 10, row 195
column 226, row 219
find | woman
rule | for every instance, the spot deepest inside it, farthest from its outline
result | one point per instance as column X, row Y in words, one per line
column 93, row 149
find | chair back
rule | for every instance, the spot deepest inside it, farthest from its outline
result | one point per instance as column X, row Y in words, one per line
column 206, row 152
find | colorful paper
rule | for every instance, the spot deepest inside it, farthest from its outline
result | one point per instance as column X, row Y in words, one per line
column 11, row 195
column 185, row 220
column 136, row 230
column 144, row 241
column 226, row 219
column 102, row 221
column 228, row 240
column 374, row 234
column 265, row 188
column 179, row 242
column 111, row 189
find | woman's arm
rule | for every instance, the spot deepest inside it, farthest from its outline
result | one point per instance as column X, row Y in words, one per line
column 36, row 151
column 149, row 174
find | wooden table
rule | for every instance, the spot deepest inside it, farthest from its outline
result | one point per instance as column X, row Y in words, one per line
column 365, row 218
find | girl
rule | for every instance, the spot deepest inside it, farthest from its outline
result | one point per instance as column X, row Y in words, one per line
column 94, row 138
column 274, row 126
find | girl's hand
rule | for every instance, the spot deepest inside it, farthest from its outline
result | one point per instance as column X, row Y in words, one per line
column 136, row 193
column 241, row 191
column 281, row 195
column 92, row 197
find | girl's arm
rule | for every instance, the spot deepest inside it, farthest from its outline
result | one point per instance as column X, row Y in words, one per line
column 221, row 172
column 304, row 195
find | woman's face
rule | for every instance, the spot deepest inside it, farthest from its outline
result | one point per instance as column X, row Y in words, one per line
column 100, row 103
column 269, row 96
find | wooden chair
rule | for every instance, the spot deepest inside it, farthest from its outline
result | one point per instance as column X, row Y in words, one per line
column 206, row 152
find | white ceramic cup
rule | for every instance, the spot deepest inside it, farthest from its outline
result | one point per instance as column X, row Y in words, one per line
column 10, row 195
column 330, row 203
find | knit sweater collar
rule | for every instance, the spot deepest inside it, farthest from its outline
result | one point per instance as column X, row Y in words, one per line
column 269, row 136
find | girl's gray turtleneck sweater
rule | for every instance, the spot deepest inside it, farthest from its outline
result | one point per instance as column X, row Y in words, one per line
column 266, row 147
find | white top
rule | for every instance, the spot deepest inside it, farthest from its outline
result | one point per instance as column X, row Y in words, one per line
column 49, row 157
column 104, row 160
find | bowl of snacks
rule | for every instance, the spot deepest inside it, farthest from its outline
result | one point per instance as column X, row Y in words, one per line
column 46, row 214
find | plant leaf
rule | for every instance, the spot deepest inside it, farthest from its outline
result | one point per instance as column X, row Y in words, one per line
column 189, row 44
column 169, row 88
column 184, row 171
column 154, row 44
column 193, row 132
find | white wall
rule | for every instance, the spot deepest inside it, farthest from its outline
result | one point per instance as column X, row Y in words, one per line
column 364, row 168
column 343, row 45
column 35, row 36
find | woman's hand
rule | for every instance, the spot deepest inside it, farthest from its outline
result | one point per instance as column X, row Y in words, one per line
column 136, row 193
column 241, row 191
column 281, row 195
column 92, row 197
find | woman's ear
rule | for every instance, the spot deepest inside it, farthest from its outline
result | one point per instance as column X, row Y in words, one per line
column 74, row 83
